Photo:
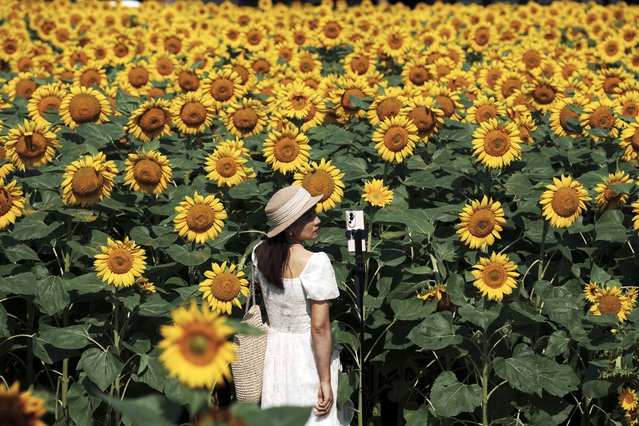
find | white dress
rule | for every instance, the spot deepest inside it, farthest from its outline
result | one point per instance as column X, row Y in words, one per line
column 290, row 373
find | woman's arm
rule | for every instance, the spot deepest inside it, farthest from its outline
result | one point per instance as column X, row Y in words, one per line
column 322, row 348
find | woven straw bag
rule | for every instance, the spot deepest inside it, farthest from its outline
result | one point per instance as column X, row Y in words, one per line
column 248, row 369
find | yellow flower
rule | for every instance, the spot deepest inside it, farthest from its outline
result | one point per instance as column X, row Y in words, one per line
column 195, row 348
column 495, row 276
column 20, row 408
column 496, row 145
column 607, row 196
column 425, row 116
column 376, row 193
column 45, row 99
column 635, row 215
column 611, row 301
column 391, row 103
column 630, row 141
column 31, row 145
column 84, row 105
column 286, row 150
column 563, row 201
column 193, row 112
column 561, row 112
column 150, row 120
column 199, row 218
column 601, row 114
column 395, row 139
column 11, row 203
column 91, row 74
column 144, row 284
column 591, row 290
column 628, row 399
column 434, row 293
column 484, row 109
column 88, row 180
column 245, row 117
column 324, row 179
column 223, row 85
column 481, row 222
column 225, row 166
column 352, row 86
column 222, row 287
column 148, row 172
column 120, row 262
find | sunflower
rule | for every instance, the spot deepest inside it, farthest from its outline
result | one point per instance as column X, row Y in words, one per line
column 199, row 218
column 395, row 138
column 222, row 287
column 629, row 103
column 88, row 180
column 21, row 85
column 11, row 203
column 628, row 399
column 148, row 172
column 91, row 75
column 299, row 101
column 389, row 104
column 120, row 262
column 30, row 145
column 607, row 196
column 495, row 276
column 345, row 89
column 193, row 112
column 542, row 92
column 245, row 117
column 144, row 285
column 224, row 85
column 376, row 193
column 359, row 63
column 330, row 30
column 601, row 114
column 609, row 79
column 591, row 290
column 484, row 109
column 629, row 141
column 496, row 145
column 425, row 115
column 611, row 49
column 5, row 169
column 416, row 72
column 242, row 67
column 448, row 100
column 395, row 42
column 135, row 78
column 481, row 223
column 286, row 149
column 225, row 166
column 527, row 126
column 612, row 301
column 186, row 80
column 563, row 201
column 322, row 179
column 437, row 292
column 163, row 65
column 481, row 36
column 45, row 99
column 20, row 408
column 121, row 50
column 565, row 109
column 152, row 119
column 508, row 83
column 84, row 105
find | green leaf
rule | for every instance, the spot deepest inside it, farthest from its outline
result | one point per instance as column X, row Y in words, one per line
column 102, row 367
column 71, row 337
column 99, row 135
column 147, row 410
column 481, row 316
column 556, row 379
column 18, row 252
column 598, row 388
column 33, row 227
column 435, row 332
column 154, row 306
column 600, row 132
column 610, row 227
column 51, row 296
column 4, row 329
column 189, row 258
column 80, row 407
column 280, row 416
column 141, row 235
column 520, row 370
column 557, row 344
column 154, row 375
column 85, row 284
column 450, row 397
column 412, row 309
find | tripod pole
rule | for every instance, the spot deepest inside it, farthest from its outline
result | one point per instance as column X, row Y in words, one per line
column 359, row 291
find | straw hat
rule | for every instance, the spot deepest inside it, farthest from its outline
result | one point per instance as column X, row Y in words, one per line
column 286, row 206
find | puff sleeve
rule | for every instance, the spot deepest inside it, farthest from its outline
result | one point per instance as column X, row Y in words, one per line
column 318, row 278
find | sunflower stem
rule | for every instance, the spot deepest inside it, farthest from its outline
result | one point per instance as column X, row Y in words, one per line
column 65, row 372
column 484, row 381
column 540, row 270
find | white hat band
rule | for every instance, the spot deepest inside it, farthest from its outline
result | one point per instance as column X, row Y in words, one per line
column 291, row 207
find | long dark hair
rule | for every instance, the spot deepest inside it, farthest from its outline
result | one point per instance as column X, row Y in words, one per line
column 272, row 255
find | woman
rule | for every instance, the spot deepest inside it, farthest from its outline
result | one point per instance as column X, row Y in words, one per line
column 300, row 367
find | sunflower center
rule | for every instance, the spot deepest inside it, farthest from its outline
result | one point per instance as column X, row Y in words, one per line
column 299, row 102
column 395, row 41
column 482, row 223
column 634, row 142
column 155, row 92
column 482, row 35
column 610, row 84
column 319, row 182
column 332, row 29
column 360, row 64
column 447, row 105
column 6, row 201
column 424, row 119
column 396, row 138
column 164, row 66
column 25, row 64
column 286, row 150
column 200, row 345
column 311, row 113
column 494, row 275
column 544, row 94
column 147, row 172
column 9, row 46
column 200, row 218
column 173, row 44
column 152, row 120
column 121, row 50
column 90, row 78
column 188, row 81
column 565, row 202
column 86, row 181
column 611, row 195
column 509, row 86
column 120, row 261
column 492, row 76
column 612, row 49
column 496, row 143
column 630, row 109
column 567, row 71
column 25, row 88
column 389, row 107
column 245, row 119
column 49, row 103
column 226, row 167
column 242, row 72
column 261, row 66
column 564, row 116
column 346, row 102
column 32, row 146
column 532, row 59
column 485, row 112
column 222, row 89
column 138, row 76
column 307, row 65
column 601, row 117
column 193, row 114
column 609, row 304
column 254, row 37
column 225, row 287
column 84, row 108
column 418, row 75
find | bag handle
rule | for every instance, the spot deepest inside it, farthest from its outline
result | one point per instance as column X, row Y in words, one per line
column 251, row 298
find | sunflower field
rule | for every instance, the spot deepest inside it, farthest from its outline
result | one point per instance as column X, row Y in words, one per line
column 493, row 149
